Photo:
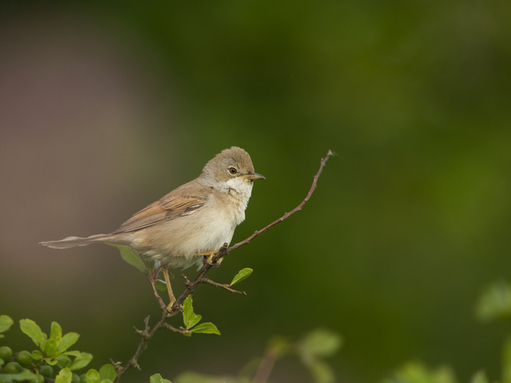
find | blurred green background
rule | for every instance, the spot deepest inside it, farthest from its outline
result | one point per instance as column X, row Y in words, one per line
column 107, row 106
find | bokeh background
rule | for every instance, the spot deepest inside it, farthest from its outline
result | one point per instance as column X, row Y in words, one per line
column 107, row 106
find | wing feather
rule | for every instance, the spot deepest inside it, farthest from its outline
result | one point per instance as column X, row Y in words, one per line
column 174, row 205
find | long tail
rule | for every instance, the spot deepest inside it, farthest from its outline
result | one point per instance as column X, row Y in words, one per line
column 68, row 242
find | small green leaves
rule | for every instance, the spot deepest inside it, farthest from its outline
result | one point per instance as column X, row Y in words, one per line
column 157, row 378
column 92, row 376
column 32, row 329
column 65, row 376
column 56, row 332
column 5, row 324
column 130, row 256
column 80, row 361
column 53, row 351
column 242, row 275
column 67, row 341
column 50, row 347
column 206, row 328
column 107, row 372
column 190, row 320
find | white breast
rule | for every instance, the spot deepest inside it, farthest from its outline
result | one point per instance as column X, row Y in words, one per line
column 239, row 190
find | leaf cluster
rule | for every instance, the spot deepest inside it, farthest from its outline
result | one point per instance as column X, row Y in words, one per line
column 52, row 355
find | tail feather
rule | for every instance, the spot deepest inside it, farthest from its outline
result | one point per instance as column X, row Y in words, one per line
column 68, row 242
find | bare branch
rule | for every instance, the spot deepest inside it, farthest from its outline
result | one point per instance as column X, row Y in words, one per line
column 222, row 286
column 133, row 362
column 172, row 328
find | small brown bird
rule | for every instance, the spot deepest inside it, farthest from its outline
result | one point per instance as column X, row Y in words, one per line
column 190, row 222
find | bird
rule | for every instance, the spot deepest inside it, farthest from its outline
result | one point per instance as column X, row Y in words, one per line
column 191, row 222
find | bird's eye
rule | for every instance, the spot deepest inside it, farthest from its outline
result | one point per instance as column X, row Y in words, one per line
column 233, row 170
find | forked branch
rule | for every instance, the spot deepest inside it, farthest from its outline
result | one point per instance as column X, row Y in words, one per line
column 149, row 332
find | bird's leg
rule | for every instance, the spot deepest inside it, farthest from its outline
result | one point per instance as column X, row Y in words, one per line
column 208, row 258
column 172, row 298
column 152, row 280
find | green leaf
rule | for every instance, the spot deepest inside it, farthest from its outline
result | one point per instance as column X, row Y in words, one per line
column 92, row 376
column 190, row 319
column 56, row 332
column 65, row 376
column 242, row 275
column 107, row 372
column 50, row 347
column 106, row 381
column 187, row 310
column 71, row 353
column 5, row 323
column 205, row 328
column 81, row 361
column 32, row 329
column 196, row 319
column 68, row 340
column 130, row 256
column 157, row 378
column 319, row 343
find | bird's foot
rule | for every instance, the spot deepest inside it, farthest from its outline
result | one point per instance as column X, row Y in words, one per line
column 209, row 258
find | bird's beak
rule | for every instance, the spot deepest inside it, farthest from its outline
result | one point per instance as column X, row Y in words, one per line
column 255, row 176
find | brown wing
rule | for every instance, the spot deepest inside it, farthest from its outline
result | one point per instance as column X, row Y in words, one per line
column 174, row 205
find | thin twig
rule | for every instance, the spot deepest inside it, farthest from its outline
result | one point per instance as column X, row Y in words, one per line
column 177, row 307
column 286, row 215
column 172, row 328
column 222, row 286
